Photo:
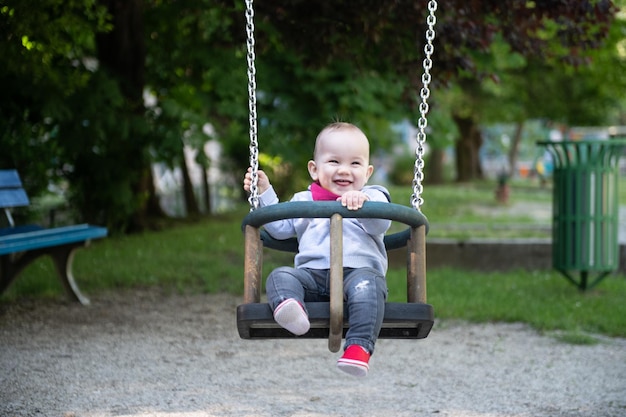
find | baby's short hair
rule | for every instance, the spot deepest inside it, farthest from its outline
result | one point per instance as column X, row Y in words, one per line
column 335, row 126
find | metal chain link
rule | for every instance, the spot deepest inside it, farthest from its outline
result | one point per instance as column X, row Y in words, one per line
column 253, row 199
column 418, row 174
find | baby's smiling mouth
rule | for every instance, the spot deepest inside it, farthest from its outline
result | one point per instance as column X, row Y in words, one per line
column 343, row 183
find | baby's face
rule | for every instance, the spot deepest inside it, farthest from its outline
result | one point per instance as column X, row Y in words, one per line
column 341, row 161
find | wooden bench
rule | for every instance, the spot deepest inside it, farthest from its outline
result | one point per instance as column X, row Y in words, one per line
column 21, row 245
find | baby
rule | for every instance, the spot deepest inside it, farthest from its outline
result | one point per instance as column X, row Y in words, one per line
column 340, row 170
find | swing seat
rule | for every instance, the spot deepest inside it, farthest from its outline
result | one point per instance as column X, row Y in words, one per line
column 411, row 320
column 401, row 321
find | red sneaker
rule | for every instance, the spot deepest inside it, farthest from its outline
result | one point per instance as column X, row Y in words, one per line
column 290, row 315
column 354, row 361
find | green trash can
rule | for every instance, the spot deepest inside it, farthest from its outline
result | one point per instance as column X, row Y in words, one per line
column 585, row 209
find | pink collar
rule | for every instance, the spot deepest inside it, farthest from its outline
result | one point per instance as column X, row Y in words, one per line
column 322, row 194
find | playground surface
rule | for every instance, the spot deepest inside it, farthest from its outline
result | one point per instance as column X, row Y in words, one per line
column 144, row 353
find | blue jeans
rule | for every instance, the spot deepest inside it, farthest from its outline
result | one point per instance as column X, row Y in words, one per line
column 364, row 291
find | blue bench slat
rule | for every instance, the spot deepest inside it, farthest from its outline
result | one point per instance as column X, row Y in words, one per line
column 13, row 197
column 10, row 178
column 11, row 192
column 49, row 237
column 20, row 229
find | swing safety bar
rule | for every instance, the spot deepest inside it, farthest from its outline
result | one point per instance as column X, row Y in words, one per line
column 411, row 320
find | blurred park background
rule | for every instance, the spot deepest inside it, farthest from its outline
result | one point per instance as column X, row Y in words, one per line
column 129, row 112
column 134, row 115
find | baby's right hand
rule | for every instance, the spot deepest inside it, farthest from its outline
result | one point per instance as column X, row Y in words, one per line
column 263, row 182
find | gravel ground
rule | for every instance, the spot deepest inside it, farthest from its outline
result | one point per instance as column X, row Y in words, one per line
column 151, row 354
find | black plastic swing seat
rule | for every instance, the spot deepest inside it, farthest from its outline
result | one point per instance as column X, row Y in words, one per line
column 411, row 320
column 401, row 321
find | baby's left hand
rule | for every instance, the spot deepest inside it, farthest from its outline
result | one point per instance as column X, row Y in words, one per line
column 353, row 200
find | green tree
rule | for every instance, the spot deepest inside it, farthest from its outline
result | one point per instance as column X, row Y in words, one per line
column 584, row 95
column 544, row 75
column 387, row 37
column 47, row 49
column 354, row 60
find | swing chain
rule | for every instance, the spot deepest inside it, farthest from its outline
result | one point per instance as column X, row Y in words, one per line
column 253, row 199
column 418, row 174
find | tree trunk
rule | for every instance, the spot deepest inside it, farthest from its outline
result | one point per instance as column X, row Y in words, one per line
column 122, row 53
column 191, row 204
column 467, row 147
column 434, row 167
column 206, row 187
column 153, row 205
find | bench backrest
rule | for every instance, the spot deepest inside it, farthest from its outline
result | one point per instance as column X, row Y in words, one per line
column 11, row 192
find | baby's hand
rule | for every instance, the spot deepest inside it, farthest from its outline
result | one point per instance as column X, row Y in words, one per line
column 263, row 182
column 353, row 200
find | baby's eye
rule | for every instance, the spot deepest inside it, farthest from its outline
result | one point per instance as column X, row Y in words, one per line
column 356, row 163
column 333, row 161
